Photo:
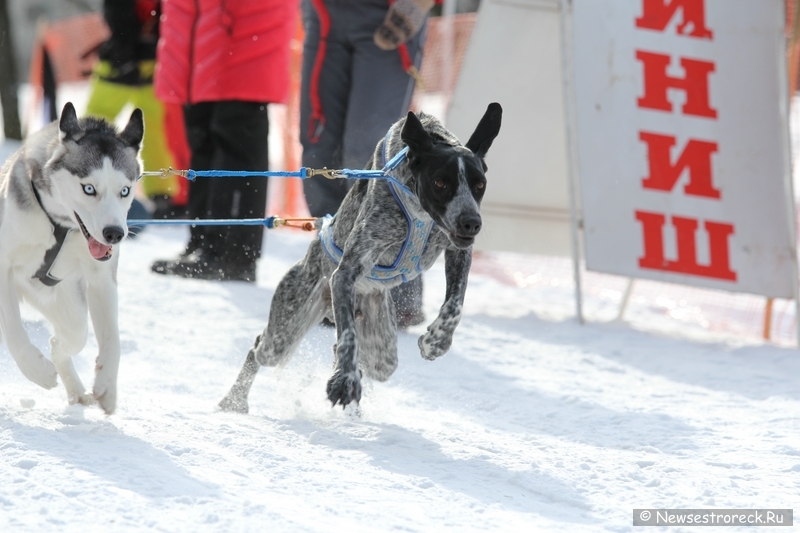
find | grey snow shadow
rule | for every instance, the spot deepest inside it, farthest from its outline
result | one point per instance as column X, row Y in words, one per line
column 249, row 298
column 508, row 403
column 756, row 372
column 101, row 449
column 402, row 451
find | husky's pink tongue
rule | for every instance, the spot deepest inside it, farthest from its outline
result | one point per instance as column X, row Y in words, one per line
column 97, row 249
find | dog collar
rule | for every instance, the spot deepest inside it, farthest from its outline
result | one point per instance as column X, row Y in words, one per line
column 60, row 233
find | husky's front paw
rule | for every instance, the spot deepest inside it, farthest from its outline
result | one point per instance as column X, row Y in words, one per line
column 84, row 398
column 36, row 368
column 106, row 395
column 344, row 388
column 434, row 343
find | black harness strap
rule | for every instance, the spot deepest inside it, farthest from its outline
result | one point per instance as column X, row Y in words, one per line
column 60, row 233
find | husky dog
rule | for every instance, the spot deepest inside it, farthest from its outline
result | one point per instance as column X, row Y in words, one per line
column 431, row 205
column 64, row 197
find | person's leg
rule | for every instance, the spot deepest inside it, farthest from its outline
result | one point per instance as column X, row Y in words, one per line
column 155, row 151
column 381, row 89
column 380, row 95
column 240, row 132
column 107, row 99
column 324, row 90
column 197, row 118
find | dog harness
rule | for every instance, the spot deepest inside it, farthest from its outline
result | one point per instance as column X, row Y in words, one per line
column 60, row 233
column 406, row 266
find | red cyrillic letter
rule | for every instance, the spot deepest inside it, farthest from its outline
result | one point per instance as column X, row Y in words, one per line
column 656, row 14
column 695, row 84
column 695, row 158
column 652, row 229
column 719, row 256
column 686, row 262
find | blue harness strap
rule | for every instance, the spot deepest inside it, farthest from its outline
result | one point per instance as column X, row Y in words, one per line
column 406, row 266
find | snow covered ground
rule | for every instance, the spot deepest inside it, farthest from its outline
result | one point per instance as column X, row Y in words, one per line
column 530, row 423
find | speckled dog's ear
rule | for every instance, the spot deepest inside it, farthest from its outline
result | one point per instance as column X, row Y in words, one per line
column 481, row 139
column 414, row 135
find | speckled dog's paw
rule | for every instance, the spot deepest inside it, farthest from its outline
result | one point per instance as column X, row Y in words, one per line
column 234, row 403
column 344, row 388
column 434, row 344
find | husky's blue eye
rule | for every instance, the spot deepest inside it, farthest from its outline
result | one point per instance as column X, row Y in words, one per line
column 89, row 189
column 125, row 191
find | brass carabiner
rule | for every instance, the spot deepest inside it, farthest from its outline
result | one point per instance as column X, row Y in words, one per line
column 326, row 173
column 165, row 173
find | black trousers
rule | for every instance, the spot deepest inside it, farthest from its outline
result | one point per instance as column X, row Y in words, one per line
column 363, row 90
column 228, row 135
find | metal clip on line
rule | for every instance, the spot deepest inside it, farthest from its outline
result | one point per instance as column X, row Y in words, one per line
column 165, row 173
column 325, row 172
column 305, row 224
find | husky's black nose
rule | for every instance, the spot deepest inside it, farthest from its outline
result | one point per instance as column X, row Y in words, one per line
column 469, row 224
column 113, row 234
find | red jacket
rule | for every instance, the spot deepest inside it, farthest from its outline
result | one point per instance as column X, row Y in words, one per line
column 211, row 50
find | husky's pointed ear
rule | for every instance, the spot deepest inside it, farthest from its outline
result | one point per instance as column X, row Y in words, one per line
column 134, row 132
column 481, row 139
column 68, row 124
column 414, row 135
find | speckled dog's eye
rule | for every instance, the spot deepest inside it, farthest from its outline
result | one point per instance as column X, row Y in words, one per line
column 480, row 185
column 440, row 184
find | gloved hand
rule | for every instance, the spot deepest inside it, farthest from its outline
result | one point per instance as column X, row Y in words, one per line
column 402, row 22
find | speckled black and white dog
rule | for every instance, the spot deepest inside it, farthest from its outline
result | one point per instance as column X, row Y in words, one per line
column 437, row 192
column 64, row 197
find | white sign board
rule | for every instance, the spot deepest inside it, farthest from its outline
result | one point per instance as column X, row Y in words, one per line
column 514, row 58
column 683, row 143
